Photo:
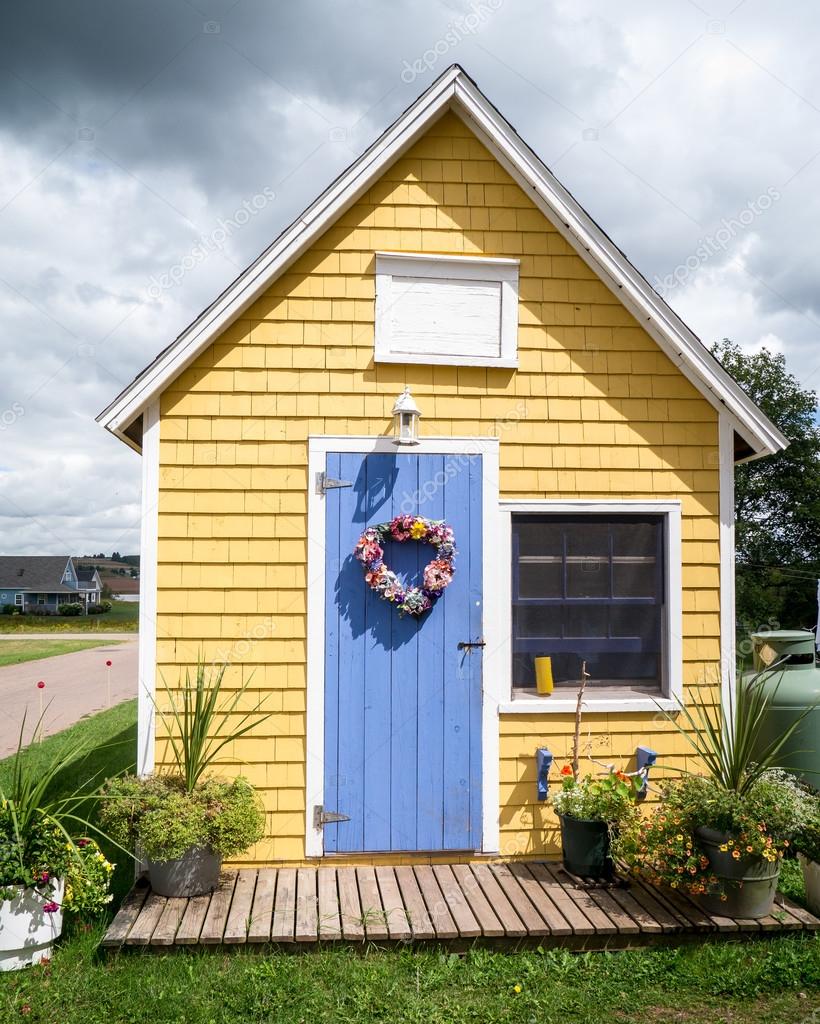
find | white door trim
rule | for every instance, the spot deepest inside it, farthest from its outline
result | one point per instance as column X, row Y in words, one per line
column 726, row 451
column 318, row 447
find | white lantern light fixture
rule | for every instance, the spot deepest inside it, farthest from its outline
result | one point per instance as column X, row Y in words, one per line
column 406, row 417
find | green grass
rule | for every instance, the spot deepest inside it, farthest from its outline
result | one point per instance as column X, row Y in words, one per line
column 766, row 982
column 15, row 652
column 123, row 618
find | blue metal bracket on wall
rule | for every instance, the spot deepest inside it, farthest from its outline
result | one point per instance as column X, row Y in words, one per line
column 645, row 758
column 543, row 763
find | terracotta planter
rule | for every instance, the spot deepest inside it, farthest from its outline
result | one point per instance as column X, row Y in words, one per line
column 585, row 847
column 811, row 876
column 749, row 883
column 27, row 932
column 195, row 873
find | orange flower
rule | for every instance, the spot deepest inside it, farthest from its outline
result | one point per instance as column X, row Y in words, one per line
column 566, row 770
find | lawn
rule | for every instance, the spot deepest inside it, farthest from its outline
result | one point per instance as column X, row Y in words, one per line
column 123, row 618
column 15, row 652
column 766, row 982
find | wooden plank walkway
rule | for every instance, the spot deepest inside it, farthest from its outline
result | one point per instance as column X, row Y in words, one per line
column 497, row 903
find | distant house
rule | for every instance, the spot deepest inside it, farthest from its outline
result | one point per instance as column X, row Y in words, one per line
column 40, row 583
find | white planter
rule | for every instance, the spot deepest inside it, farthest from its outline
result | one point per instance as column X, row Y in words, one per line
column 811, row 876
column 27, row 932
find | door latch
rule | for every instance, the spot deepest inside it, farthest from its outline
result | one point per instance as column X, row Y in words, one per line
column 321, row 817
column 325, row 483
column 468, row 645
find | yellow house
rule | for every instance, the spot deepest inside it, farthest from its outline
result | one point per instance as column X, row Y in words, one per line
column 575, row 438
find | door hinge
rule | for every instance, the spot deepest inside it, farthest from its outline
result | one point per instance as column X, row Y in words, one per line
column 321, row 817
column 325, row 483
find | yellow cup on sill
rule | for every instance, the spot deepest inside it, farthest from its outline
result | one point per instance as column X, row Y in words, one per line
column 543, row 675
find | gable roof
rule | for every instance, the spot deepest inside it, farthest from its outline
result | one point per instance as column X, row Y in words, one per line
column 455, row 90
column 34, row 572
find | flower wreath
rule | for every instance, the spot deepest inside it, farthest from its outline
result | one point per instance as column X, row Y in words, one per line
column 437, row 574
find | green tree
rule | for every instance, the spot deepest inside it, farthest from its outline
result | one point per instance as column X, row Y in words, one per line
column 777, row 498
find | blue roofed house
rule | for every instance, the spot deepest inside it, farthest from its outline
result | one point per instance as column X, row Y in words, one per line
column 39, row 584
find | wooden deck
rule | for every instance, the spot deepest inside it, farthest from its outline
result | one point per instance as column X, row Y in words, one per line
column 509, row 903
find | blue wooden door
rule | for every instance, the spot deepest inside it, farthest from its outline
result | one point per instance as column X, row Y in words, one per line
column 402, row 703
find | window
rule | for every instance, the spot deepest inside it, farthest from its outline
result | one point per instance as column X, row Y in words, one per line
column 41, row 598
column 591, row 588
column 18, row 600
column 446, row 309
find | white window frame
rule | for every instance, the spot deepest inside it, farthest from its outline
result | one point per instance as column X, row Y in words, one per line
column 18, row 600
column 452, row 268
column 597, row 700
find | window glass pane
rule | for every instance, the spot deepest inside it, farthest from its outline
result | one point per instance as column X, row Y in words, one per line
column 603, row 561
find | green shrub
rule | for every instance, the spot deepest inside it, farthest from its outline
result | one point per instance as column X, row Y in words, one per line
column 160, row 816
column 72, row 608
column 9, row 609
column 808, row 835
column 103, row 607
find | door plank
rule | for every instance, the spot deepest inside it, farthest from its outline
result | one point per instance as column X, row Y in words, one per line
column 398, row 926
column 417, row 913
column 513, row 925
column 519, row 901
column 284, row 907
column 555, row 921
column 239, row 916
column 330, row 925
column 442, row 919
column 464, row 918
column 262, row 908
column 307, row 909
column 490, row 925
column 350, row 909
column 217, row 917
column 127, row 914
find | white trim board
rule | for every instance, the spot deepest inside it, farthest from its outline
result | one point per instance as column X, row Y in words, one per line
column 318, row 448
column 673, row 668
column 147, row 654
column 455, row 90
column 728, row 667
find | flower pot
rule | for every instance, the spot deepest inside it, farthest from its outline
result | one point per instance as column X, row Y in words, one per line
column 27, row 931
column 585, row 846
column 811, row 876
column 195, row 873
column 749, row 883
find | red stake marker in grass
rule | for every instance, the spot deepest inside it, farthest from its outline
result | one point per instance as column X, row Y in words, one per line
column 40, row 687
column 108, row 682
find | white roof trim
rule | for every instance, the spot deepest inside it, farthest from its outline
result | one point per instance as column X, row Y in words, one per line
column 455, row 90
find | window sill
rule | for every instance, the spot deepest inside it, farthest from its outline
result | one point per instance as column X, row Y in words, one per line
column 607, row 701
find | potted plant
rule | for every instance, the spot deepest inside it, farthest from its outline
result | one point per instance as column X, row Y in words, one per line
column 807, row 842
column 591, row 810
column 45, row 868
column 184, row 821
column 720, row 834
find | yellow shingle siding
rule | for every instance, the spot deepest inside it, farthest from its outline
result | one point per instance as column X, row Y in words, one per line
column 595, row 410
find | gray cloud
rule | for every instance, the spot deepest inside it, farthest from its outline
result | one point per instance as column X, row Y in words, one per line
column 130, row 131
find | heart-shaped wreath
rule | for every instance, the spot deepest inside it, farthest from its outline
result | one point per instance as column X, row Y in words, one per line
column 437, row 574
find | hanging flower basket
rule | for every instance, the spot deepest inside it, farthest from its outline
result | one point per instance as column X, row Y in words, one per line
column 437, row 575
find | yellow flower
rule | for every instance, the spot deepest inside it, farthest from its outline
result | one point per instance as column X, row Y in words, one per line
column 516, row 988
column 724, row 848
column 418, row 529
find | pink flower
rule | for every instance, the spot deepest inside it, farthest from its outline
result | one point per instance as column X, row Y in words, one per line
column 51, row 907
column 401, row 526
column 437, row 575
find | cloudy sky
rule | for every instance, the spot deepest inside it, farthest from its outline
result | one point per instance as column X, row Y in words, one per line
column 131, row 132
